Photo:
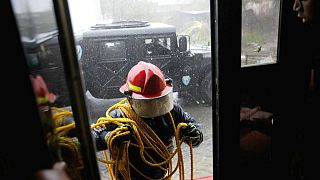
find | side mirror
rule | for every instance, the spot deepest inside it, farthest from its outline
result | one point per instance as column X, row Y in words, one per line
column 183, row 44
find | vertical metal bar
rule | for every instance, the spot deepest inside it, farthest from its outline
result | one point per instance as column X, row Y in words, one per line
column 73, row 78
column 228, row 39
column 217, row 100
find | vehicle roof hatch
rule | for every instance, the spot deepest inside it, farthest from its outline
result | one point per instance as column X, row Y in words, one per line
column 121, row 24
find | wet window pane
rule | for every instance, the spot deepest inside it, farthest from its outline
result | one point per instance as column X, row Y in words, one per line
column 175, row 36
column 157, row 46
column 36, row 22
column 40, row 38
column 112, row 36
column 112, row 49
column 260, row 25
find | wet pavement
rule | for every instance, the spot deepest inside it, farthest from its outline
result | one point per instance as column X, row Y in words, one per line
column 202, row 155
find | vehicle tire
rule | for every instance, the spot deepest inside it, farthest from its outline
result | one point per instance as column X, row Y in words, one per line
column 206, row 89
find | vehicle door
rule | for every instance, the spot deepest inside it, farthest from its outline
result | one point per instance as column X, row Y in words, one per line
column 108, row 67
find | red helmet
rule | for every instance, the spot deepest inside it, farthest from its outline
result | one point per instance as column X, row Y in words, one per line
column 41, row 90
column 151, row 94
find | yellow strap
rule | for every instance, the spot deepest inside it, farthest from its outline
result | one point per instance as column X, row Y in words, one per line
column 134, row 88
column 42, row 100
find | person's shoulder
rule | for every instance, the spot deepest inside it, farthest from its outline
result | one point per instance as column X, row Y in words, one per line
column 176, row 106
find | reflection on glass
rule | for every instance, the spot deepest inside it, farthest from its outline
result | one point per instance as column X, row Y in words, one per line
column 259, row 40
column 121, row 34
column 39, row 37
column 36, row 19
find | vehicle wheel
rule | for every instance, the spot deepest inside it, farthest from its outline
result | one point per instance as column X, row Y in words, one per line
column 206, row 89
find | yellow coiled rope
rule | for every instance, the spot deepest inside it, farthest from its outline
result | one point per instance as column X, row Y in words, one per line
column 146, row 138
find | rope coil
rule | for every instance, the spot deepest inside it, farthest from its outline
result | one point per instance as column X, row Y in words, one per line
column 145, row 137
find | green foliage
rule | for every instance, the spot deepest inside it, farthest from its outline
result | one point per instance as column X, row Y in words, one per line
column 252, row 37
column 199, row 33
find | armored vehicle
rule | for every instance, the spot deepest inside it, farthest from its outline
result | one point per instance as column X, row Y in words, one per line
column 110, row 50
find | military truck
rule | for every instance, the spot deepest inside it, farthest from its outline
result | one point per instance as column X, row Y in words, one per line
column 110, row 50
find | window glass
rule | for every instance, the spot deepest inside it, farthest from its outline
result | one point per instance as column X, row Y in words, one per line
column 158, row 46
column 105, row 62
column 37, row 27
column 260, row 25
column 36, row 19
column 112, row 49
column 173, row 35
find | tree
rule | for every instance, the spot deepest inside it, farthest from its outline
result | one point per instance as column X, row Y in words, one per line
column 199, row 32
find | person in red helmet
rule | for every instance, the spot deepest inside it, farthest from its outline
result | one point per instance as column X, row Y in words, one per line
column 150, row 97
